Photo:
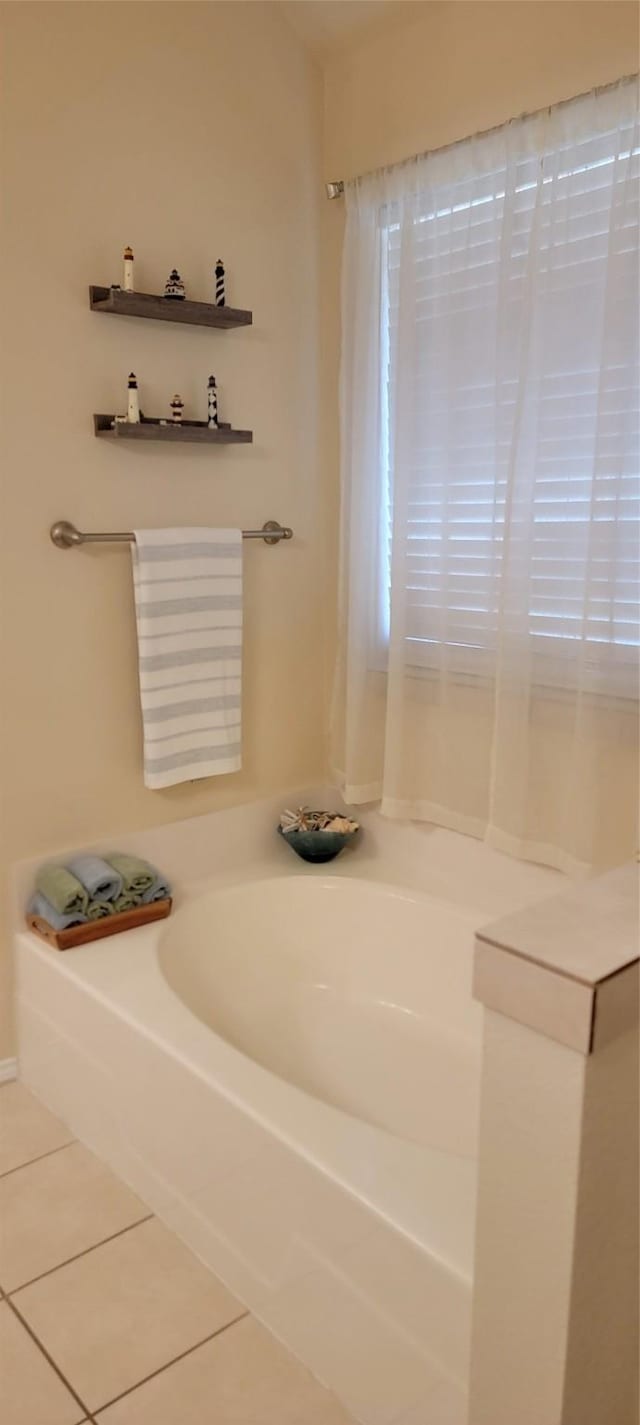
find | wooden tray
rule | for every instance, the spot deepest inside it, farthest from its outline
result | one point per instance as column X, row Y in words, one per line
column 98, row 929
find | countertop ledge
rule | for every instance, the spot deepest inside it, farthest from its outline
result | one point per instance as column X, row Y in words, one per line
column 568, row 966
column 587, row 933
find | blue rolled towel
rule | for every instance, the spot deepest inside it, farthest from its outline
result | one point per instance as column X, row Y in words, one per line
column 159, row 891
column 39, row 905
column 102, row 881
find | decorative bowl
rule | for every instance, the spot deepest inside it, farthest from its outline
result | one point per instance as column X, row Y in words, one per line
column 317, row 846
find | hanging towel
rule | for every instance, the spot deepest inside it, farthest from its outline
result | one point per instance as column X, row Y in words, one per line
column 188, row 593
column 159, row 891
column 99, row 879
column 63, row 891
column 137, row 876
column 39, row 905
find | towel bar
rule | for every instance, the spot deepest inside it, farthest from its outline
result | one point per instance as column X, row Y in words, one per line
column 65, row 535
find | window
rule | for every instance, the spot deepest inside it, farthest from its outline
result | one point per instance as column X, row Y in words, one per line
column 509, row 439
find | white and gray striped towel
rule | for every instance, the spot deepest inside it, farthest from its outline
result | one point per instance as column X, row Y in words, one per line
column 188, row 593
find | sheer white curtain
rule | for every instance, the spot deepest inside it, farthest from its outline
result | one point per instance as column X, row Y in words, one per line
column 487, row 668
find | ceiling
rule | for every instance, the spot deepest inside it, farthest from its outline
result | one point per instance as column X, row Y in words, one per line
column 326, row 25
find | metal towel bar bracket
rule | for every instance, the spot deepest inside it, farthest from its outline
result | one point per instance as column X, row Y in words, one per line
column 65, row 535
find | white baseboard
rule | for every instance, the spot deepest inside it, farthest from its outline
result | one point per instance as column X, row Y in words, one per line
column 8, row 1070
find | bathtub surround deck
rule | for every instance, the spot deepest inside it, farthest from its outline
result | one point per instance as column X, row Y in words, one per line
column 105, row 1317
column 456, row 869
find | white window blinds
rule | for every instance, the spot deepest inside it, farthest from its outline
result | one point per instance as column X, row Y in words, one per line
column 509, row 423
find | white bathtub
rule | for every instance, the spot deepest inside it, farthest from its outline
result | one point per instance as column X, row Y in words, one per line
column 355, row 992
column 287, row 1072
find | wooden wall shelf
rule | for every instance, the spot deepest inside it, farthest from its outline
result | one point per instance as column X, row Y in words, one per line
column 166, row 309
column 187, row 430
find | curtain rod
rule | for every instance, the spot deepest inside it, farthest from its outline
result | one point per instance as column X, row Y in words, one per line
column 335, row 189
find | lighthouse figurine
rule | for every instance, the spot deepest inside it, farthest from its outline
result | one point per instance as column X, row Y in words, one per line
column 133, row 407
column 212, row 404
column 128, row 270
column 220, row 297
column 177, row 407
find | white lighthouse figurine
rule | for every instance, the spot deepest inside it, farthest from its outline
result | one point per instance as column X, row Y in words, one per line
column 212, row 404
column 128, row 270
column 133, row 407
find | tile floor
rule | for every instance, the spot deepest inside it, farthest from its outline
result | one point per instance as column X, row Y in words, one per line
column 106, row 1317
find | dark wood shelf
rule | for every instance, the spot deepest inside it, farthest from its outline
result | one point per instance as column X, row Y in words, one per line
column 166, row 309
column 149, row 429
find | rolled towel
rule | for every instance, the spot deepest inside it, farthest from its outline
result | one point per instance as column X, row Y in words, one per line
column 99, row 879
column 39, row 905
column 126, row 901
column 97, row 910
column 159, row 891
column 63, row 891
column 137, row 875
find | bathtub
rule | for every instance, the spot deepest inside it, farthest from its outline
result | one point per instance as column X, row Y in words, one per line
column 354, row 992
column 287, row 1072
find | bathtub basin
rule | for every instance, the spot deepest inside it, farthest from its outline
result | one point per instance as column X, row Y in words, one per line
column 353, row 991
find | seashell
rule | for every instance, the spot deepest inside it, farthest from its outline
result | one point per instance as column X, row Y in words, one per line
column 306, row 820
column 343, row 824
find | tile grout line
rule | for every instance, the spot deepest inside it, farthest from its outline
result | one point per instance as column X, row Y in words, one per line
column 49, row 1154
column 87, row 1416
column 77, row 1255
column 174, row 1361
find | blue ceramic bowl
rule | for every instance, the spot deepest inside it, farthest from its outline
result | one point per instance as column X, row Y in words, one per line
column 317, row 846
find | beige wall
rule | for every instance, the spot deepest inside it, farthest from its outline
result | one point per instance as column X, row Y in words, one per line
column 463, row 65
column 189, row 131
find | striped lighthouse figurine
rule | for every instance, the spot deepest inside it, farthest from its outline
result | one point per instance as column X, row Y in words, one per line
column 133, row 406
column 220, row 297
column 127, row 281
column 212, row 403
column 177, row 407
